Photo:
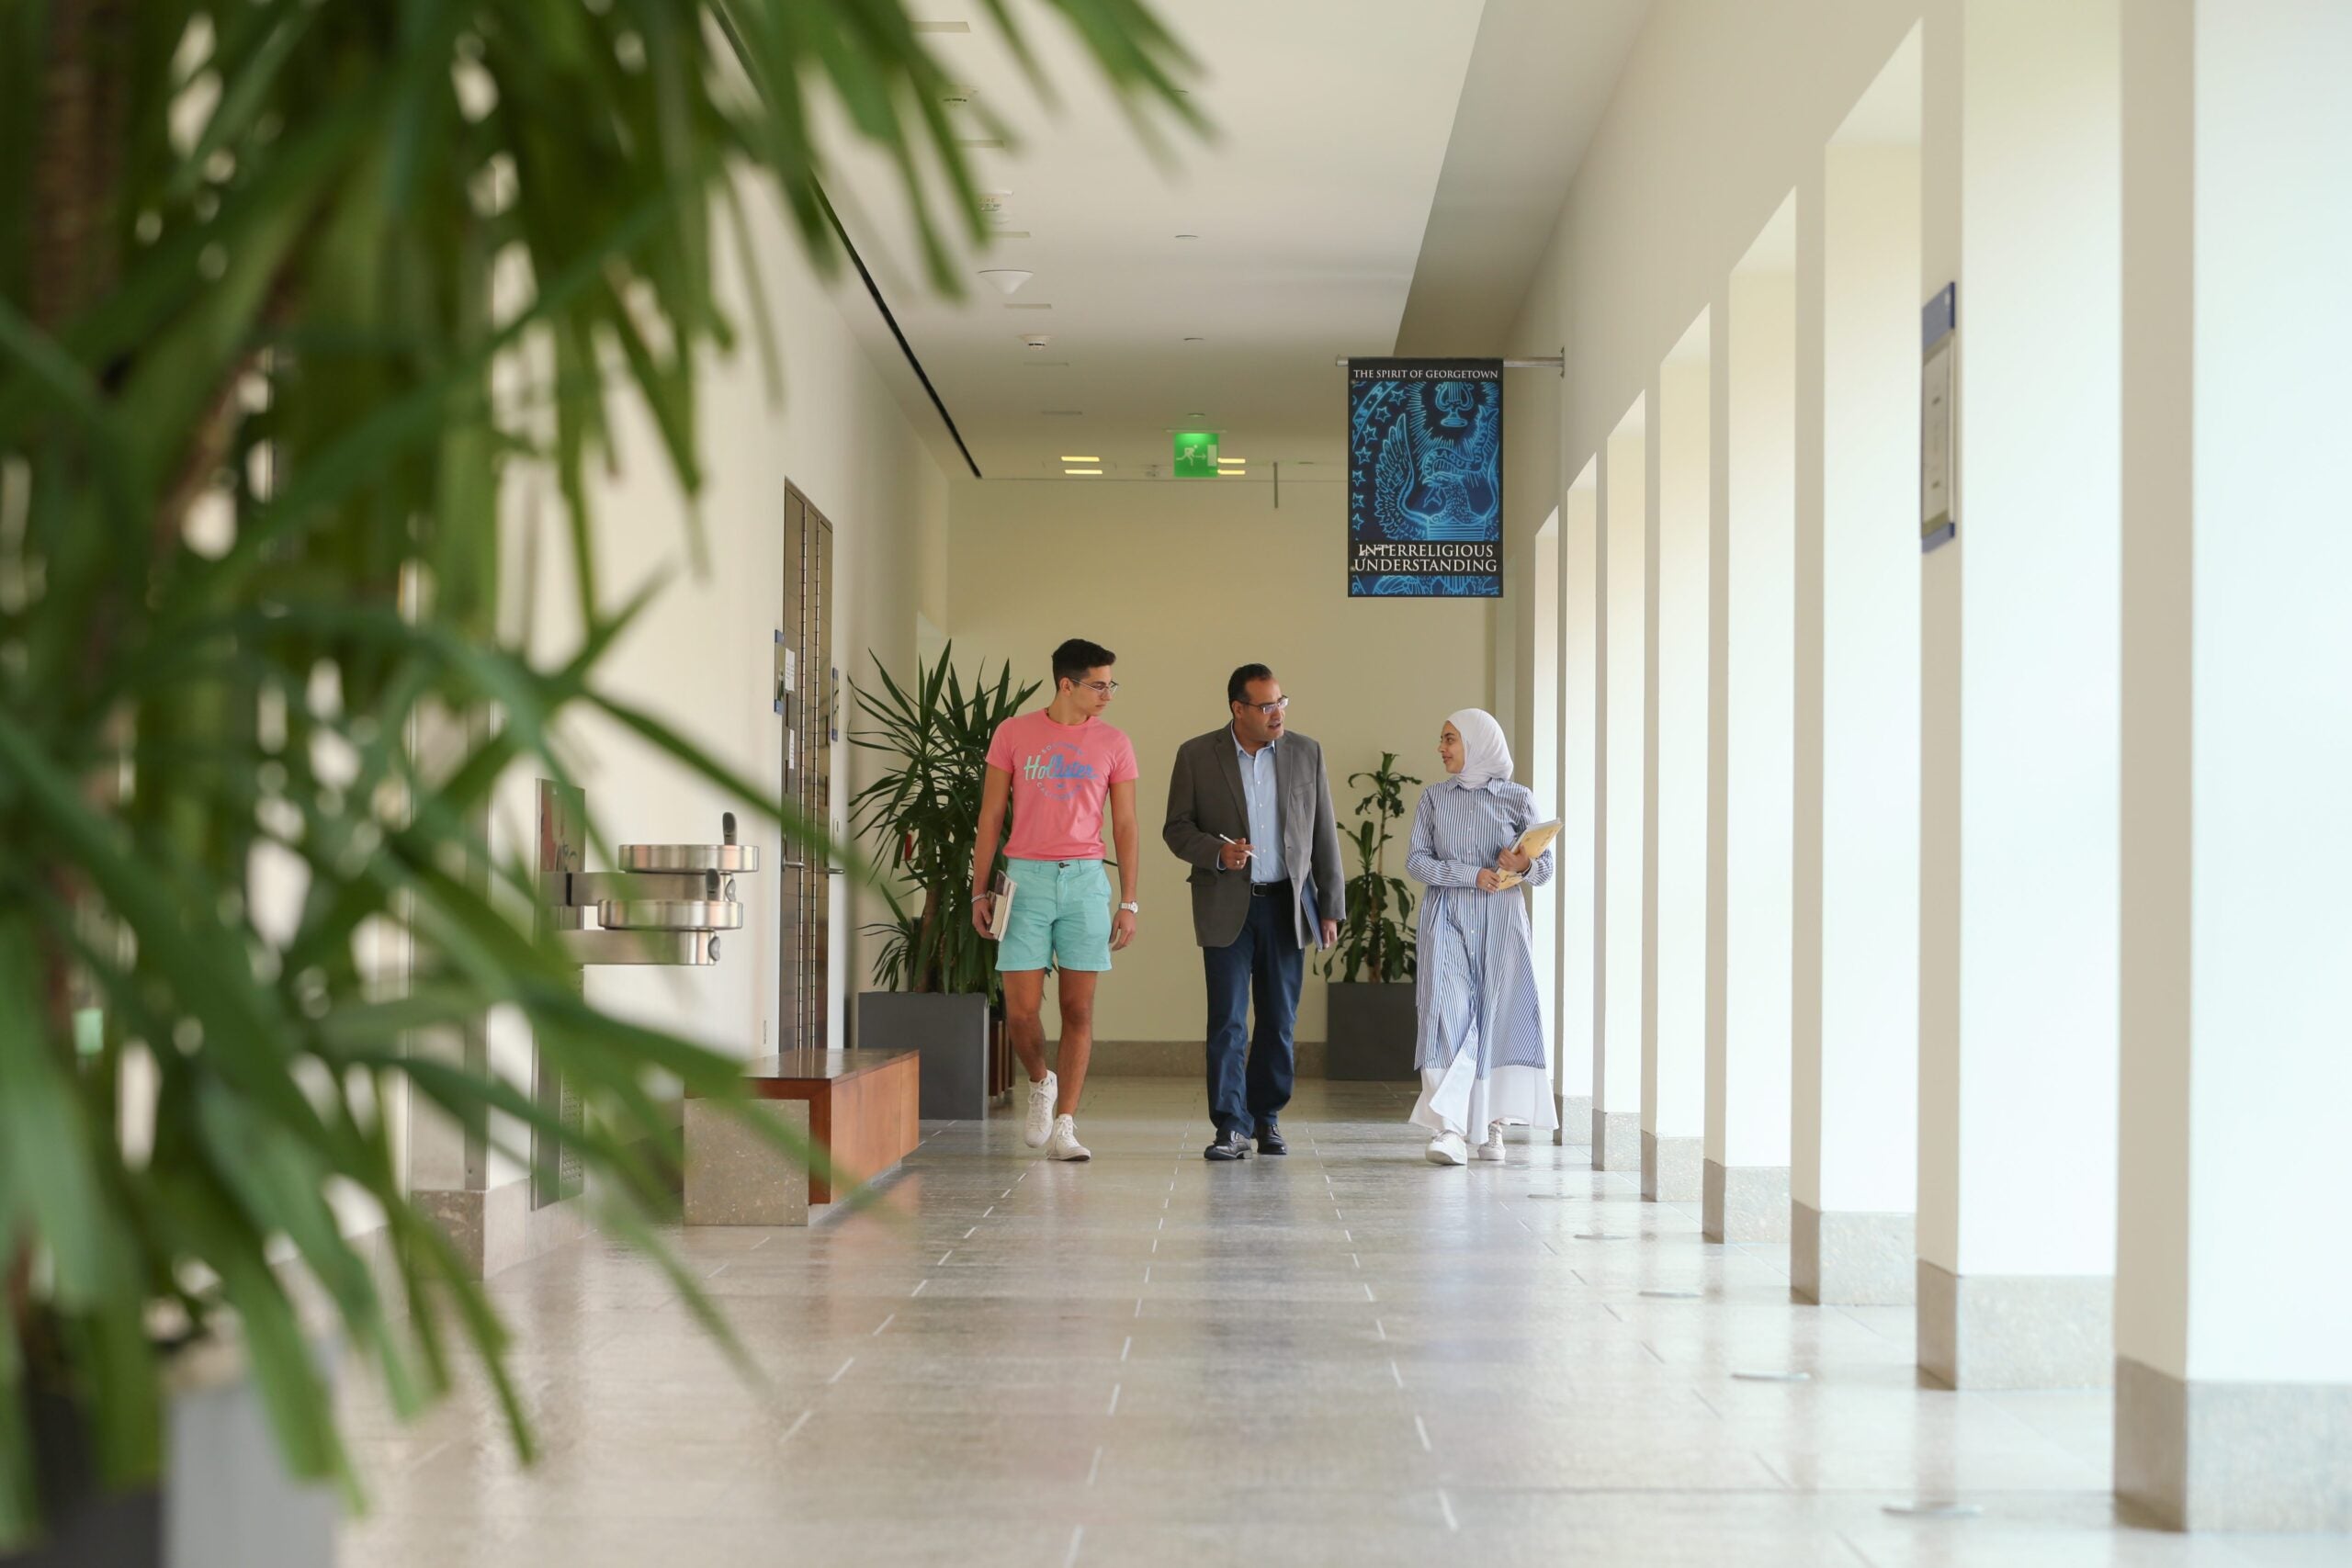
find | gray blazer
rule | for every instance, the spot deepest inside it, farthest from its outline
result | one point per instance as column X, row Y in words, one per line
column 1205, row 799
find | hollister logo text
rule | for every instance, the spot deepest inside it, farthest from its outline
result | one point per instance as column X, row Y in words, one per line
column 1058, row 772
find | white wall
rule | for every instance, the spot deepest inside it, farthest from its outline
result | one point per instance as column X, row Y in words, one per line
column 1578, row 863
column 701, row 657
column 1184, row 579
column 2237, row 936
column 1747, row 1117
column 2021, row 202
column 1867, row 1041
column 1717, row 111
column 1624, row 505
column 1539, row 760
column 1674, row 1106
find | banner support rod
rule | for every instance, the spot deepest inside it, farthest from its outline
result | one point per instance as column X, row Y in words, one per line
column 1555, row 363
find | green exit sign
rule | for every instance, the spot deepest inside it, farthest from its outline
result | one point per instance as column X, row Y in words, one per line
column 1197, row 454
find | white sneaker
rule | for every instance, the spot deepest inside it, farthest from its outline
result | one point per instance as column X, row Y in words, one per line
column 1493, row 1147
column 1041, row 1111
column 1065, row 1144
column 1447, row 1149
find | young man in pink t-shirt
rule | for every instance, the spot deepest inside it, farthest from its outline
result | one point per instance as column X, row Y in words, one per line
column 1057, row 769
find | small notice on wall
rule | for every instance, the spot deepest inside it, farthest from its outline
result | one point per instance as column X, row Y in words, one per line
column 1425, row 478
column 1938, row 459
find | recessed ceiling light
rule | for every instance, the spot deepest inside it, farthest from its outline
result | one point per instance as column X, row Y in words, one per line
column 1075, row 472
column 1025, row 305
column 1232, row 462
column 1006, row 280
column 1196, row 415
column 1069, row 459
column 1035, row 340
column 1196, row 339
column 1233, row 473
column 1188, row 236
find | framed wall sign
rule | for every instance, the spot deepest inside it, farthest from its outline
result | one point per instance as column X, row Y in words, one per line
column 1939, row 429
column 1425, row 478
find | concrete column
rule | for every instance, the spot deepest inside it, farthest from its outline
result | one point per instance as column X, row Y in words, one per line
column 2019, row 702
column 1578, row 865
column 1747, row 1172
column 2233, row 1366
column 1617, row 1076
column 1674, row 1048
column 1854, row 1165
column 1543, row 768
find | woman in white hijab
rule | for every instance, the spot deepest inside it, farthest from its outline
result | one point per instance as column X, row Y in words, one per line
column 1480, row 1049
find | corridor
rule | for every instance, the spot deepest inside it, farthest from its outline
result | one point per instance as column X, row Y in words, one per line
column 1343, row 1357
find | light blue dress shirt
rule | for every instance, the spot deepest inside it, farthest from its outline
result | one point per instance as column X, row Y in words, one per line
column 1264, row 800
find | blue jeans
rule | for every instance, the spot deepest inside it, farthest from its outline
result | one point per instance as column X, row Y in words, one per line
column 1264, row 962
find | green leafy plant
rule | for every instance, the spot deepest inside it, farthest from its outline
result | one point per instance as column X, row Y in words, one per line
column 1376, row 939
column 287, row 290
column 923, row 815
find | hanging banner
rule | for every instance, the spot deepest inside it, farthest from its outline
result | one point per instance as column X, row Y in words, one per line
column 1425, row 478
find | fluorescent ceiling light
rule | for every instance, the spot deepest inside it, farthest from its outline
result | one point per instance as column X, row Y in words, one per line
column 1081, row 459
column 1233, row 473
column 1077, row 471
column 1232, row 462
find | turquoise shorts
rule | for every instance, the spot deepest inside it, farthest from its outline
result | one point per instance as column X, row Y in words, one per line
column 1062, row 917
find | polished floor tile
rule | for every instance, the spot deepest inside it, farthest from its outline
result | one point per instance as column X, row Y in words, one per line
column 1344, row 1357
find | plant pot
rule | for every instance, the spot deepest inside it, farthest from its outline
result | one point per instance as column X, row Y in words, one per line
column 950, row 1031
column 1371, row 1032
column 225, row 1500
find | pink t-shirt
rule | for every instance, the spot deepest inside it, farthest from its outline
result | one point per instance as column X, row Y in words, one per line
column 1062, row 775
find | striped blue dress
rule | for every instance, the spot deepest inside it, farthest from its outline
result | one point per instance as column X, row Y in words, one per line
column 1481, row 1048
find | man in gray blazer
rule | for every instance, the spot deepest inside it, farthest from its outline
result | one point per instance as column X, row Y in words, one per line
column 1249, row 810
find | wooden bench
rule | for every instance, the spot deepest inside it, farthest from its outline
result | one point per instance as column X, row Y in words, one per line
column 863, row 1111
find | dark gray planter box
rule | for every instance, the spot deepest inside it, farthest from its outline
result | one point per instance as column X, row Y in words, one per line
column 225, row 1501
column 1371, row 1032
column 952, row 1034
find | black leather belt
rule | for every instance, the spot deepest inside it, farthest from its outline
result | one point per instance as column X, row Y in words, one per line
column 1267, row 889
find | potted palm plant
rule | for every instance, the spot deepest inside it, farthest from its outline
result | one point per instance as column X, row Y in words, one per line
column 286, row 291
column 940, row 994
column 1372, row 1019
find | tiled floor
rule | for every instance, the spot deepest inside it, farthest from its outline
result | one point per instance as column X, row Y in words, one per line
column 1346, row 1357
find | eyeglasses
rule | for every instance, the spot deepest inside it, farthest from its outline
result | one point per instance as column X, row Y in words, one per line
column 1272, row 708
column 1101, row 688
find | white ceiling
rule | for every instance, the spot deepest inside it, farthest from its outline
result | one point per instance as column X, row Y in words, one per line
column 1311, row 204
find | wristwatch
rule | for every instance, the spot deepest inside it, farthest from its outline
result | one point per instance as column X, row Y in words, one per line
column 1132, row 908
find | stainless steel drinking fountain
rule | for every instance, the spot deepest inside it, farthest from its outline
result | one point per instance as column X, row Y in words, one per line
column 667, row 904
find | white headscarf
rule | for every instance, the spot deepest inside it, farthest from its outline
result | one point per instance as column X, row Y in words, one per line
column 1486, row 754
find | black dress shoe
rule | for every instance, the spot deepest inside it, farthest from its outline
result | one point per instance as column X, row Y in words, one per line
column 1271, row 1141
column 1229, row 1145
